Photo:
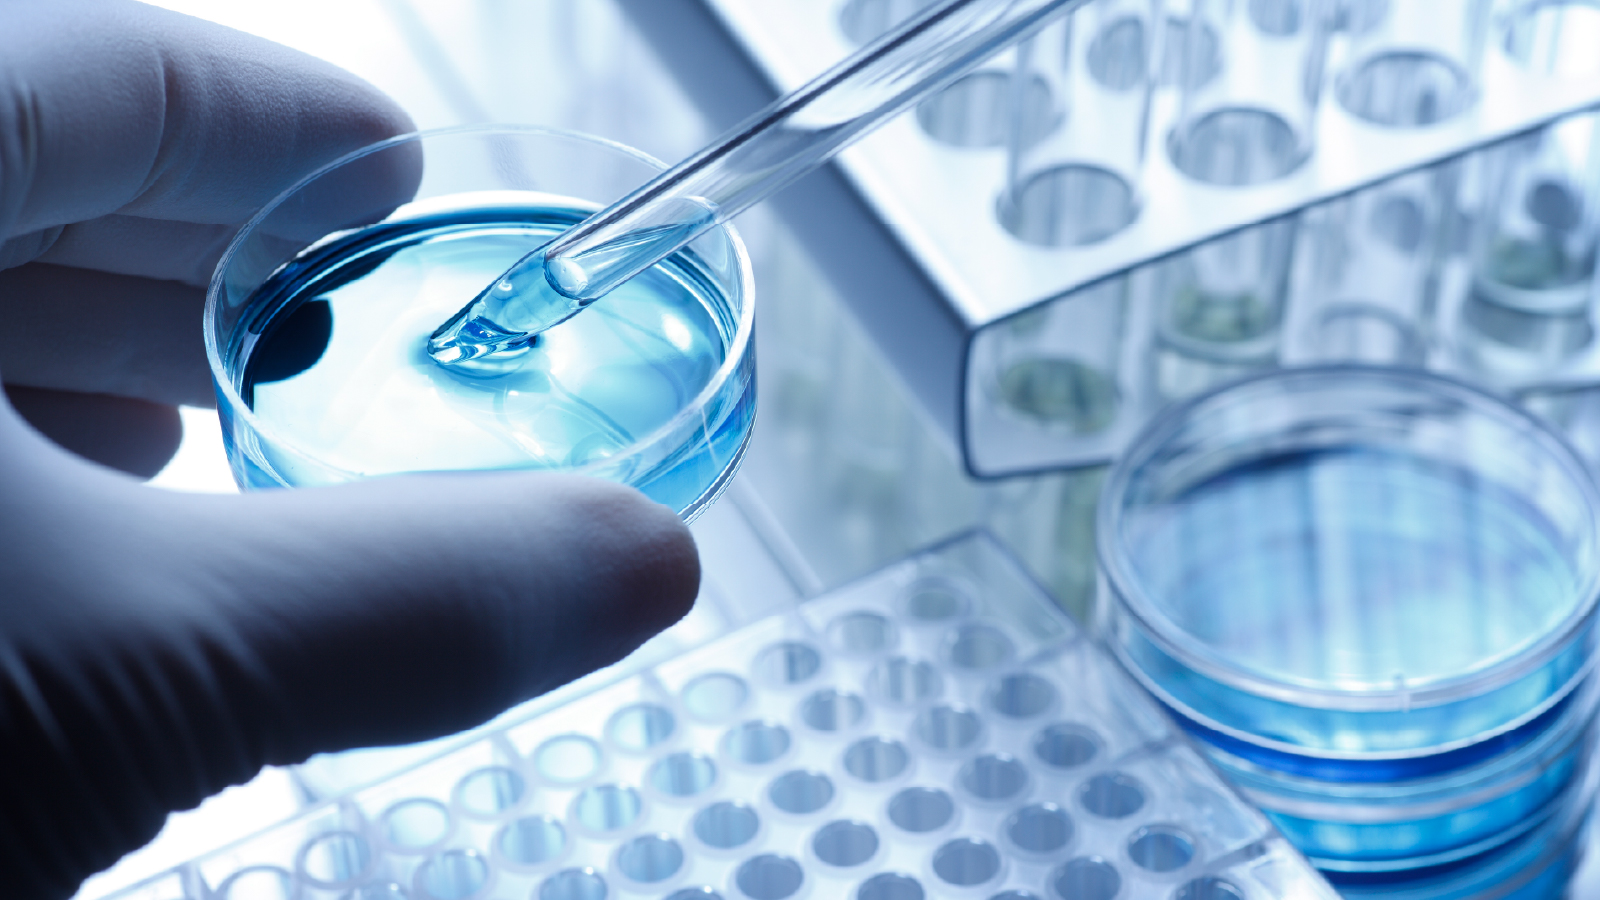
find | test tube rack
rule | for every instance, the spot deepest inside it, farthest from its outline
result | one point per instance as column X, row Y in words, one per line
column 908, row 225
column 937, row 729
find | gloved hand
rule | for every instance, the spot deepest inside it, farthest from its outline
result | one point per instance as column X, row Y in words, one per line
column 157, row 647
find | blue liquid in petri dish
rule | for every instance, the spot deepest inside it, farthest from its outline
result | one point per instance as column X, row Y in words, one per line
column 1352, row 572
column 332, row 361
column 1398, row 826
column 1536, row 864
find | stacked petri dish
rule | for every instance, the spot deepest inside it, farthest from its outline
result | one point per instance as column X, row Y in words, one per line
column 1369, row 593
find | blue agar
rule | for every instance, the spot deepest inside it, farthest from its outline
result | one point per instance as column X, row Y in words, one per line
column 1534, row 865
column 332, row 361
column 1409, row 825
column 1353, row 572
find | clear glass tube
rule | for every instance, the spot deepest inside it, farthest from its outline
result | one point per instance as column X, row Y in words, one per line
column 976, row 110
column 1412, row 63
column 1075, row 163
column 1377, row 259
column 749, row 163
column 1529, row 307
column 1250, row 77
column 1220, row 308
column 1053, row 371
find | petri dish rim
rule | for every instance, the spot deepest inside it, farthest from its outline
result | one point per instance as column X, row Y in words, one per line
column 1172, row 639
column 1493, row 778
column 738, row 348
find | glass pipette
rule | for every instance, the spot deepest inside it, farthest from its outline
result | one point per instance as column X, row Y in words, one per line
column 492, row 334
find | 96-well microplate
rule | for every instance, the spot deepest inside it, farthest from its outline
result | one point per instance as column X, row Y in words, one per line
column 938, row 729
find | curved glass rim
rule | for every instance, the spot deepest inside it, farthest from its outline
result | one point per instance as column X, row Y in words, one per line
column 1430, row 760
column 1177, row 642
column 733, row 358
column 1441, row 793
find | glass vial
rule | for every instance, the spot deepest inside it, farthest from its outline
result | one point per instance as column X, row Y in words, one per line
column 1080, row 118
column 1411, row 63
column 1250, row 79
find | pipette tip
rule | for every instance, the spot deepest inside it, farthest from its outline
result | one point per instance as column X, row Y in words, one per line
column 473, row 344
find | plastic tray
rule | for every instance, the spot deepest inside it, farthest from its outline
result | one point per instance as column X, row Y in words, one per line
column 938, row 729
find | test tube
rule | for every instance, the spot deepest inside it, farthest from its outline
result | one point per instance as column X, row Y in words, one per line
column 1221, row 307
column 1556, row 37
column 1079, row 115
column 1379, row 254
column 1528, row 307
column 1053, row 369
column 977, row 109
column 1411, row 63
column 1077, row 183
column 1247, row 117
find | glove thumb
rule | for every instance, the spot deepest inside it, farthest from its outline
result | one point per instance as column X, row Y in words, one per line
column 155, row 647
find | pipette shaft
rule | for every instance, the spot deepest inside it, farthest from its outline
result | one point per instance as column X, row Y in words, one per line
column 763, row 154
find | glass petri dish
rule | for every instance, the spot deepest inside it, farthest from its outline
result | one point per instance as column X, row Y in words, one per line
column 1539, row 862
column 1353, row 573
column 318, row 313
column 1426, row 823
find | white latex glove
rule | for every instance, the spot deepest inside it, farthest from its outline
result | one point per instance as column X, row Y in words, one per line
column 157, row 647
